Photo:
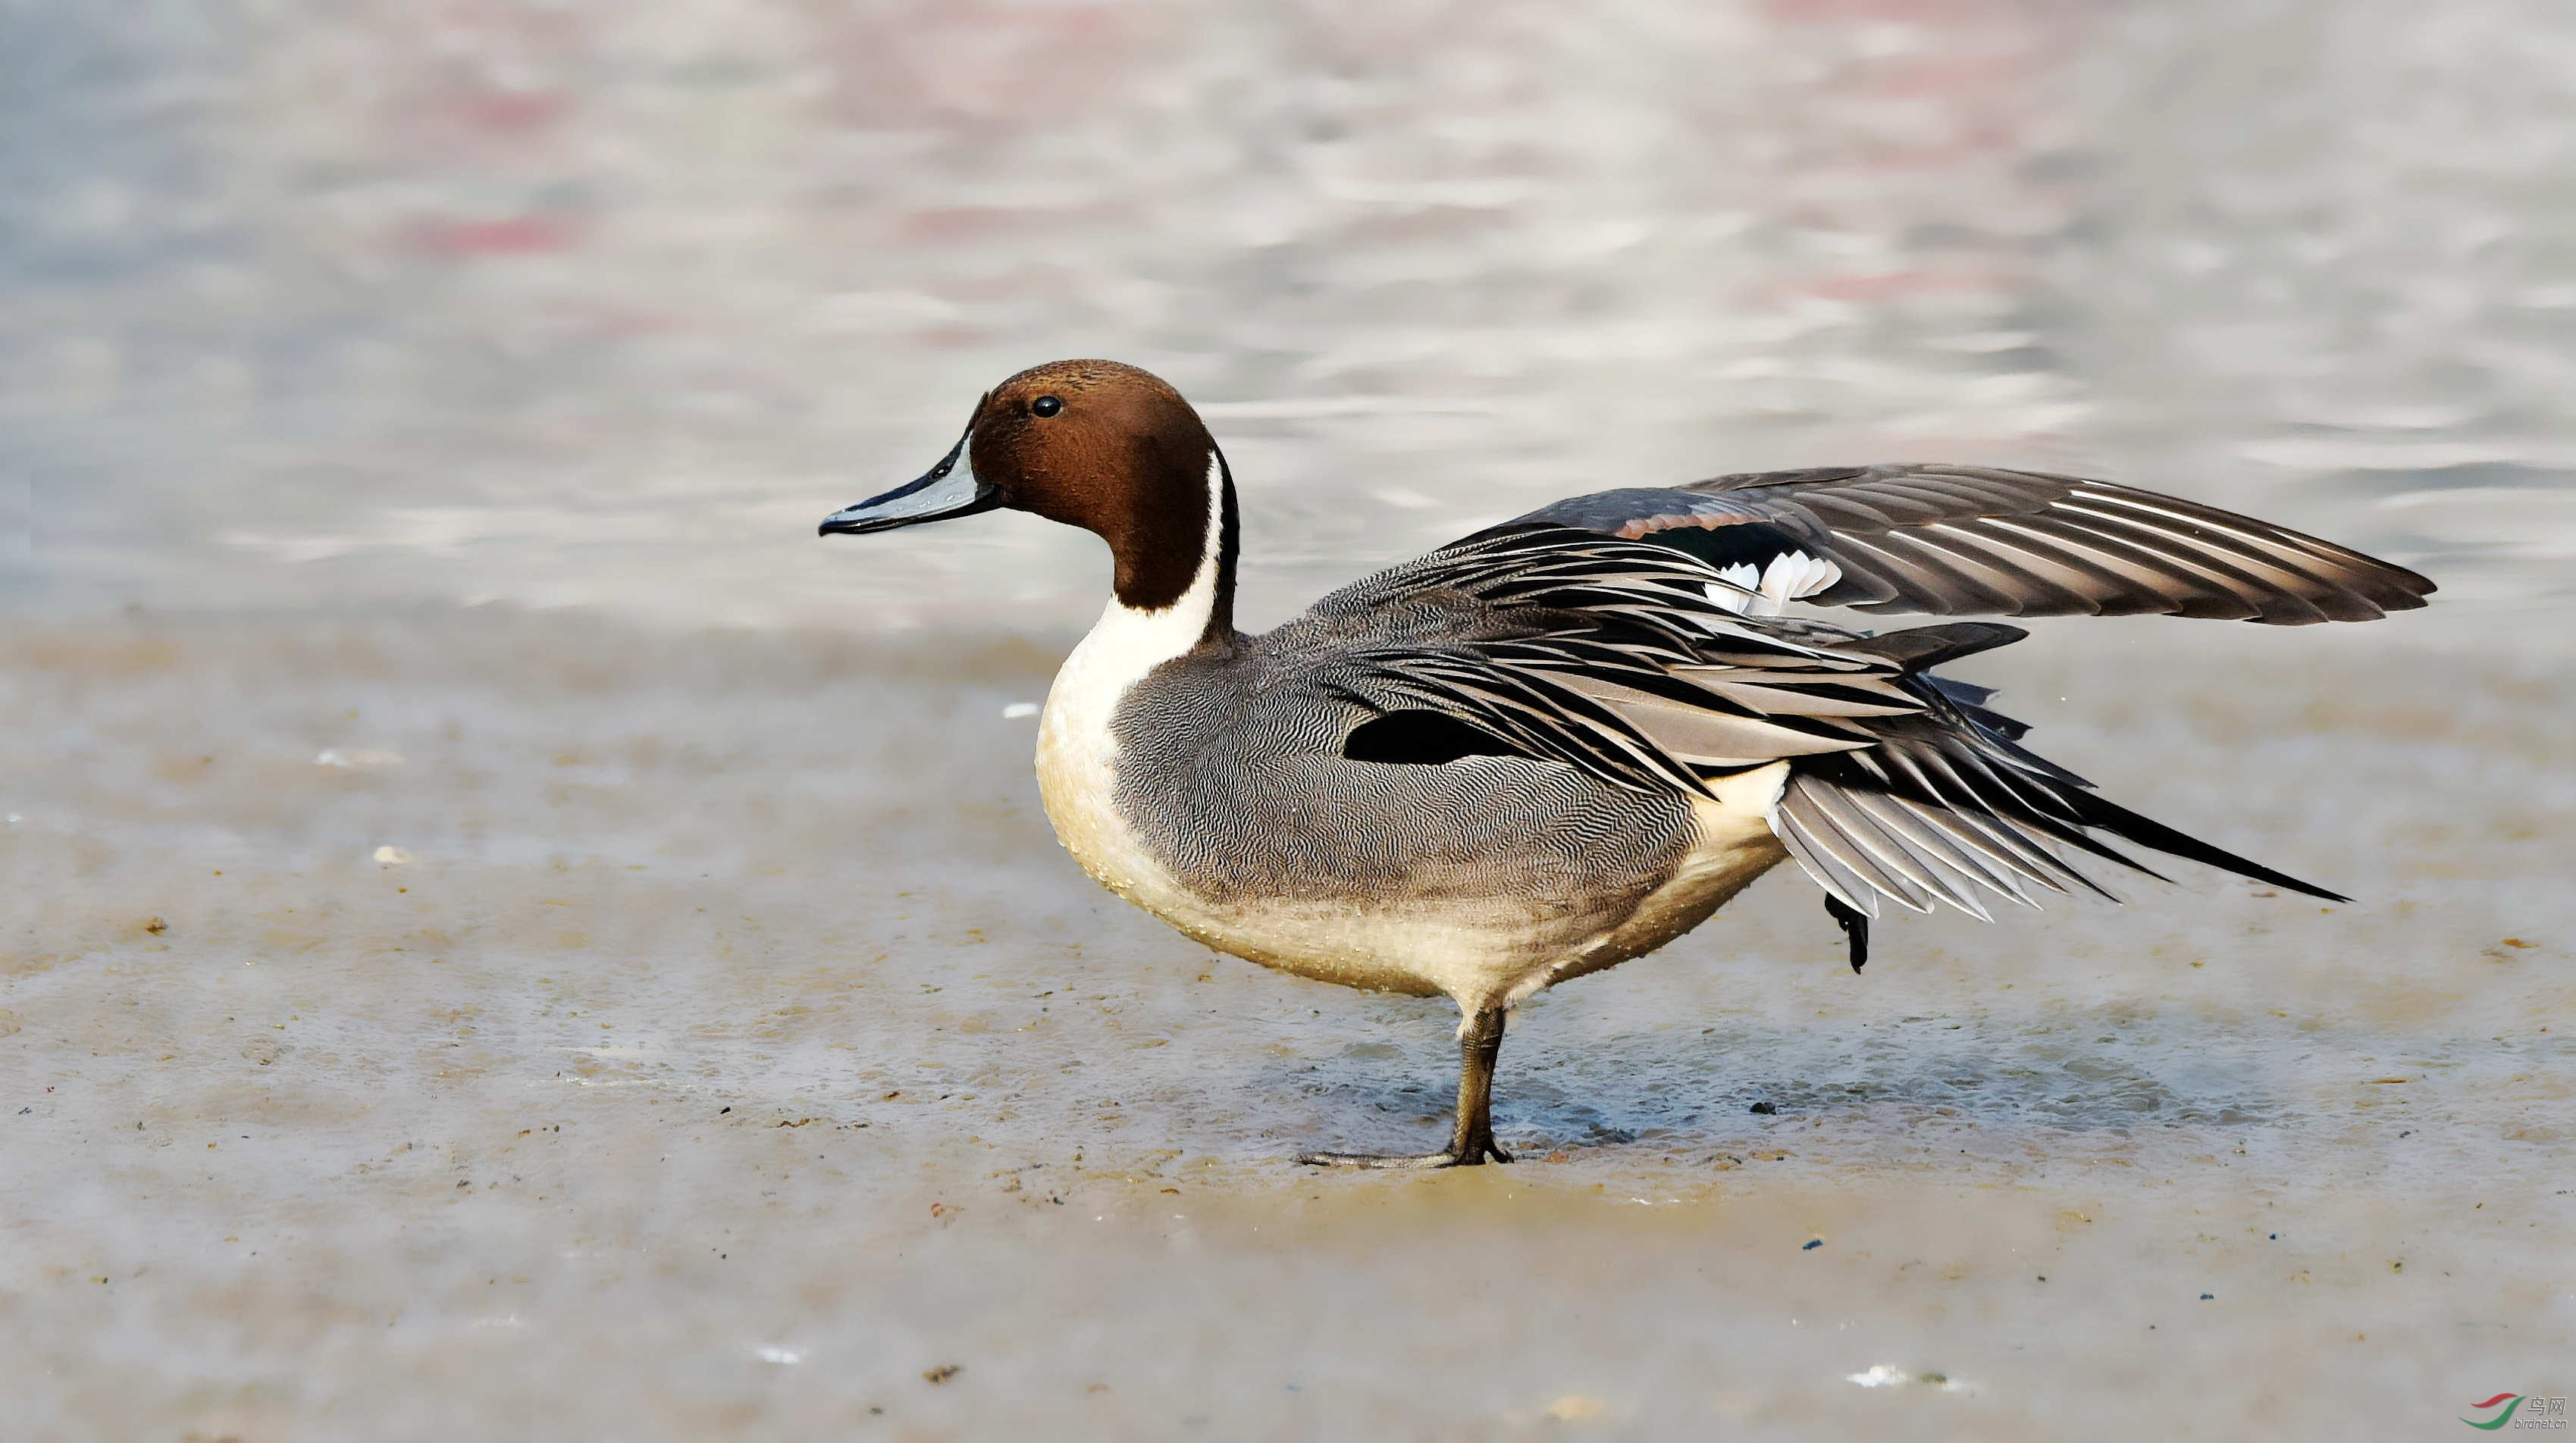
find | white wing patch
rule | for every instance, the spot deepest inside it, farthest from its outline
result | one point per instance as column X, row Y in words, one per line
column 1736, row 587
column 1794, row 574
column 1790, row 576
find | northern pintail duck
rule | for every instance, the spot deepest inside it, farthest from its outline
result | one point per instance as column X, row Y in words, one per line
column 1565, row 740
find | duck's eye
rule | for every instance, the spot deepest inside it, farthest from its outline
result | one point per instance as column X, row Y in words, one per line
column 1045, row 406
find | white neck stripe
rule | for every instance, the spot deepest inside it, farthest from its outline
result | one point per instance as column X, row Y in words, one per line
column 1129, row 641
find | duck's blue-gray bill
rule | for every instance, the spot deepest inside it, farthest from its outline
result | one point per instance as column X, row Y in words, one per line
column 950, row 489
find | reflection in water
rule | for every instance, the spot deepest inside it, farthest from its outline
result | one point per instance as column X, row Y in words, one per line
column 577, row 304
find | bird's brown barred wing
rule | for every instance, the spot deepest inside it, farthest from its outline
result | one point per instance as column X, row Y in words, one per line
column 1978, row 541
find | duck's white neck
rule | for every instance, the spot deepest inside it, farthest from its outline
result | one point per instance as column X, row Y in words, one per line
column 1132, row 640
column 1129, row 641
column 1077, row 751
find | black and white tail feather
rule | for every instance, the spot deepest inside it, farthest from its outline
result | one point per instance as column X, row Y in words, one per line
column 1638, row 636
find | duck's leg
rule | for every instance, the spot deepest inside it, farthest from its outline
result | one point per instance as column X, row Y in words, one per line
column 1471, row 1137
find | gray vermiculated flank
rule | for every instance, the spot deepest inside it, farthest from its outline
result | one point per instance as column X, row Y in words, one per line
column 1231, row 771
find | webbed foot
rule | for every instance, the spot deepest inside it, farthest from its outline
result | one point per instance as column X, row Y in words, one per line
column 1473, row 1155
column 1471, row 1140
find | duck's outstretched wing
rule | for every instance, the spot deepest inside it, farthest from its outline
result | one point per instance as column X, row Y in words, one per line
column 1977, row 541
column 1631, row 662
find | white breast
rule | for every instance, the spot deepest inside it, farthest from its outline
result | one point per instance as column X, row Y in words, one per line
column 1077, row 755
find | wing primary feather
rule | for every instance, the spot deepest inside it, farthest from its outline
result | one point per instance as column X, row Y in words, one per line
column 1884, row 867
column 1821, row 866
column 2145, row 574
column 2074, row 575
column 1936, row 845
column 2019, row 592
column 1875, row 821
column 1960, row 804
column 1911, row 586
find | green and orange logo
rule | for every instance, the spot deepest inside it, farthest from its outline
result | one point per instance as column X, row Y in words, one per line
column 2511, row 1401
column 2520, row 1411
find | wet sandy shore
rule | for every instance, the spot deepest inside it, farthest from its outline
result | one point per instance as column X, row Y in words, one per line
column 446, row 1024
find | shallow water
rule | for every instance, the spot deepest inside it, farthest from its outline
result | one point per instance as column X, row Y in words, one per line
column 510, row 935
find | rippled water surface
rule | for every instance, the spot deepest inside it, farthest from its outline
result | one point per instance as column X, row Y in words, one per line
column 508, row 934
column 606, row 303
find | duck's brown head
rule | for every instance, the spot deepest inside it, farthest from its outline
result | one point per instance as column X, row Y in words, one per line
column 1094, row 444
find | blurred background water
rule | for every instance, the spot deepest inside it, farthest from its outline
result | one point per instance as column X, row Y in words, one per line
column 603, row 304
column 508, row 934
